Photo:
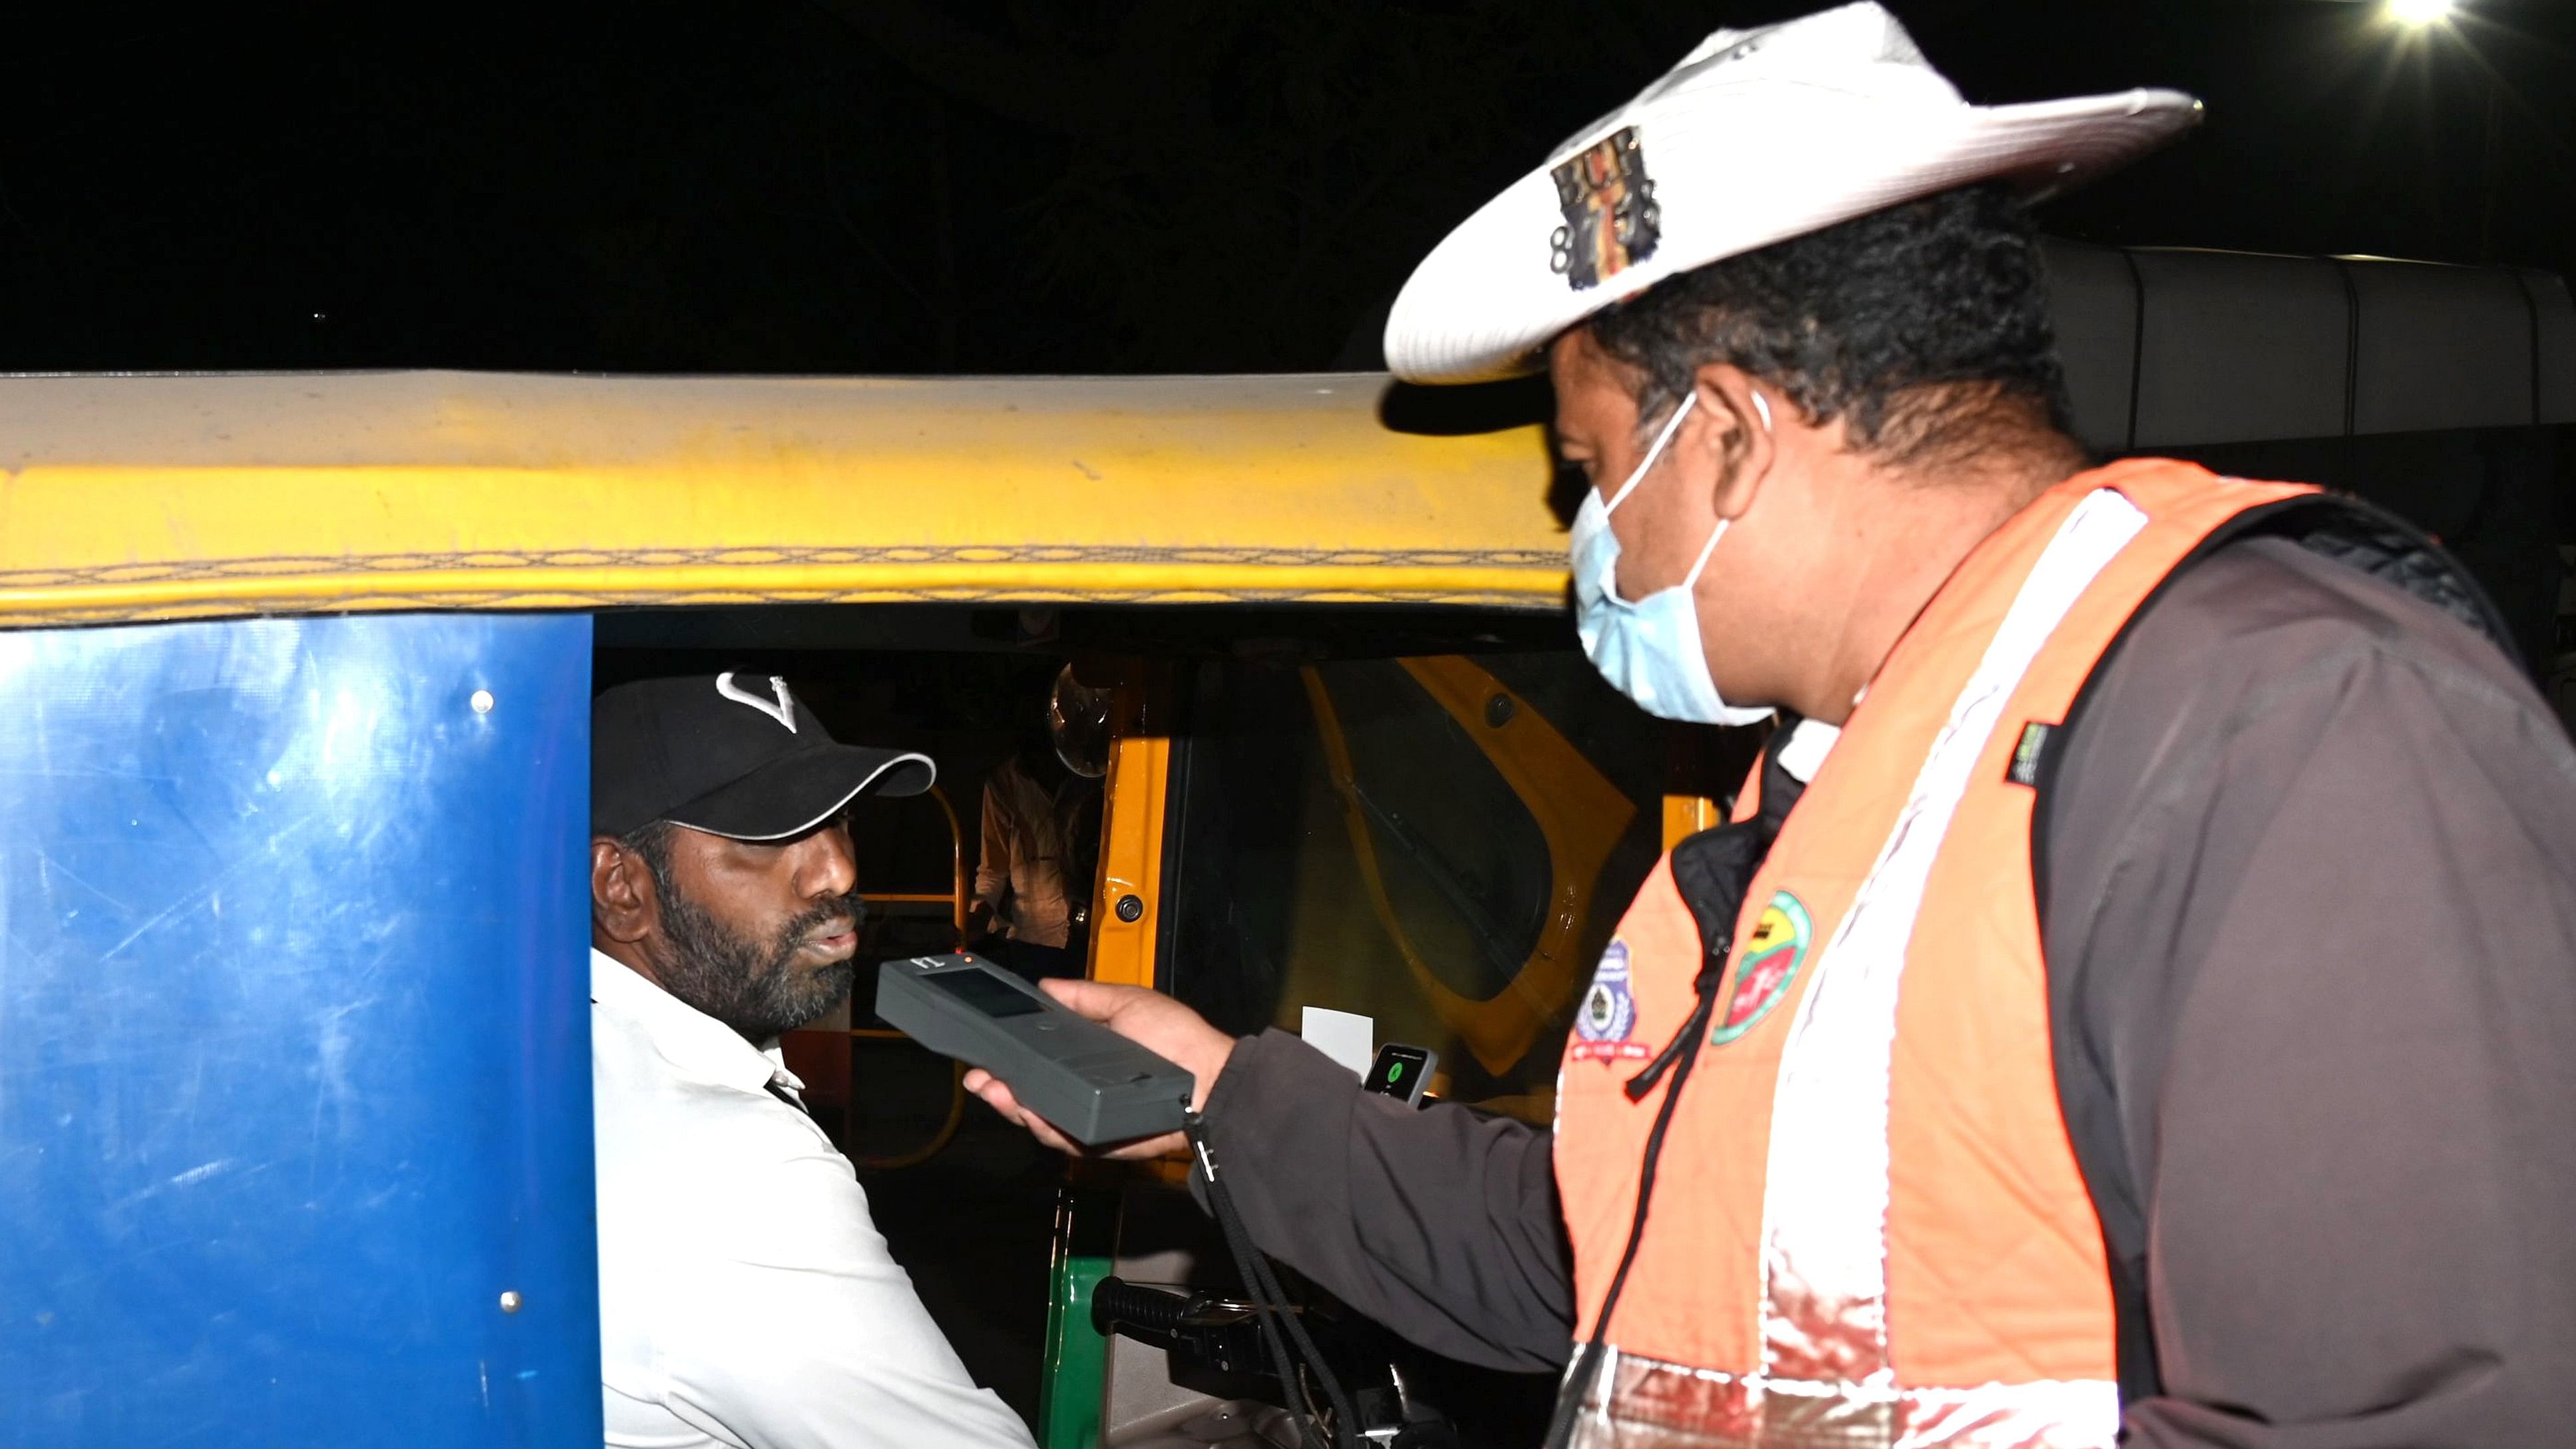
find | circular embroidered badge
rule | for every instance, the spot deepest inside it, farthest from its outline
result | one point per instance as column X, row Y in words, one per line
column 1608, row 1010
column 1606, row 1021
column 1770, row 965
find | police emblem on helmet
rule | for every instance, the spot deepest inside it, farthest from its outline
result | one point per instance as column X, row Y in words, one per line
column 1611, row 220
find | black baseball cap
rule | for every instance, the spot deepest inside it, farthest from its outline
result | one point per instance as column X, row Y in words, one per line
column 734, row 754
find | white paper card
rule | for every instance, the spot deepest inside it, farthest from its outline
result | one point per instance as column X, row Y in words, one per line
column 1345, row 1036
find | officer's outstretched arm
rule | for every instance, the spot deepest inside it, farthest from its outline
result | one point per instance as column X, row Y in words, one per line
column 1440, row 1224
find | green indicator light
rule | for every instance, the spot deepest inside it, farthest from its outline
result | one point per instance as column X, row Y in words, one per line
column 1394, row 1071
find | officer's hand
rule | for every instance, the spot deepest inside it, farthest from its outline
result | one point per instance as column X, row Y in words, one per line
column 1150, row 1019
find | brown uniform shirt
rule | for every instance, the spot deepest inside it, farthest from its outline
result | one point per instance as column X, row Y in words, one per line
column 2309, row 906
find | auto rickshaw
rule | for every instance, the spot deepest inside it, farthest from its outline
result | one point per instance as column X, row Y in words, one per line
column 294, row 1078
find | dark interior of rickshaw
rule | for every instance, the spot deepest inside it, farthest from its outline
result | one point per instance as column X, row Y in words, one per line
column 1298, row 731
column 1351, row 822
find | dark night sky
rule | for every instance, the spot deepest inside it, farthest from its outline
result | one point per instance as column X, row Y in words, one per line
column 1096, row 185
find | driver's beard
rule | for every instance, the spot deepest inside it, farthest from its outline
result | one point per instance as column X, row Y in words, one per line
column 751, row 986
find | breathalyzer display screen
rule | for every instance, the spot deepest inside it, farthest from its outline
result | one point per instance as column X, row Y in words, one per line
column 1396, row 1070
column 982, row 992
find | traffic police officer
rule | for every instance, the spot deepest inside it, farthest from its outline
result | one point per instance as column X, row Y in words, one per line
column 2133, row 992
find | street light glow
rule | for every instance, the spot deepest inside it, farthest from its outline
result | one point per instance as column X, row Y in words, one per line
column 2421, row 12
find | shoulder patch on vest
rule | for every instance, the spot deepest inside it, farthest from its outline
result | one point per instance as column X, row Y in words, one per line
column 1770, row 966
column 1607, row 1019
column 2023, row 769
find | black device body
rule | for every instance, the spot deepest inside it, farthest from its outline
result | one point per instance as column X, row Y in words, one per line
column 1401, row 1072
column 1093, row 1084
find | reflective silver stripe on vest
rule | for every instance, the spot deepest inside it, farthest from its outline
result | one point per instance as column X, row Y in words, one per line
column 1651, row 1405
column 1824, row 1257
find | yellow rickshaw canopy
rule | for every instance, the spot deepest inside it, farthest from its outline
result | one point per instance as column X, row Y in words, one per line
column 166, row 497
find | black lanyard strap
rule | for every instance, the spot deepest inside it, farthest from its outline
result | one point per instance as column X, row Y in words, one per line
column 1712, row 870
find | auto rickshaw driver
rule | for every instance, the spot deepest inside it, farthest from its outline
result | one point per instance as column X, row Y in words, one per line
column 2131, row 997
column 745, row 1296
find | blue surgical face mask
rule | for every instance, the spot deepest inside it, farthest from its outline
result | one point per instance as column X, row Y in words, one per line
column 1648, row 649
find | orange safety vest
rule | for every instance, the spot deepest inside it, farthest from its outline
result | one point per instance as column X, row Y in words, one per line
column 1867, row 1225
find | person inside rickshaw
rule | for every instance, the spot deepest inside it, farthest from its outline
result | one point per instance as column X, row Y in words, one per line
column 745, row 1294
column 1041, row 836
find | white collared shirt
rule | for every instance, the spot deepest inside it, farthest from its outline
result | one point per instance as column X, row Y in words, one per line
column 745, row 1298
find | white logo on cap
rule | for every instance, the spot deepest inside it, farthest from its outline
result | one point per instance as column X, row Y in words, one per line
column 784, row 711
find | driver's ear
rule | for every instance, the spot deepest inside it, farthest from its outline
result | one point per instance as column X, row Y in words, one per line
column 1735, row 425
column 622, row 903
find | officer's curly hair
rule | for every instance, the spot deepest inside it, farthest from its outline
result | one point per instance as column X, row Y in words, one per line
column 1924, row 325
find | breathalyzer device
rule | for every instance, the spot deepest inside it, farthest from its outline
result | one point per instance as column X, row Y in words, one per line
column 1093, row 1084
